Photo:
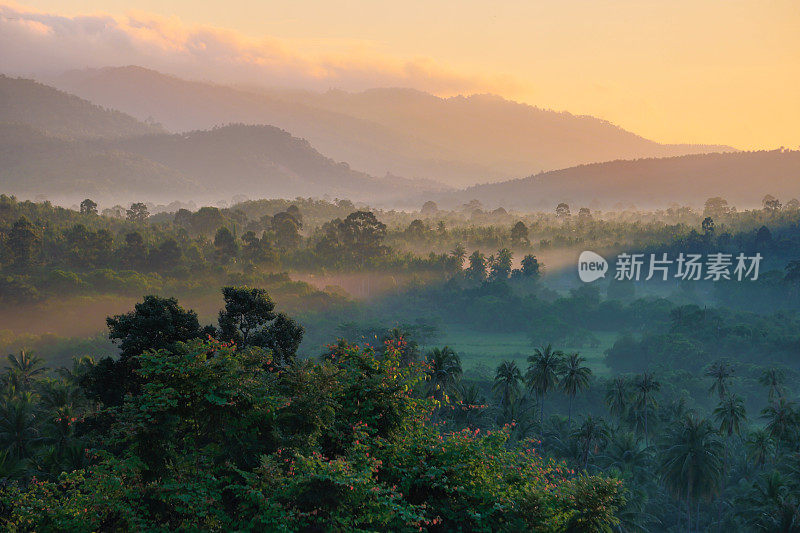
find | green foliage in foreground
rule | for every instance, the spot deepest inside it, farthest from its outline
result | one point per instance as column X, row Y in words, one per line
column 219, row 439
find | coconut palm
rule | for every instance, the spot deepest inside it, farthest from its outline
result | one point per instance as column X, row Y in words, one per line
column 760, row 447
column 23, row 369
column 781, row 419
column 721, row 372
column 618, row 396
column 507, row 378
column 575, row 379
column 625, row 452
column 544, row 368
column 591, row 435
column 18, row 431
column 470, row 408
column 691, row 463
column 644, row 387
column 730, row 413
column 444, row 370
column 773, row 379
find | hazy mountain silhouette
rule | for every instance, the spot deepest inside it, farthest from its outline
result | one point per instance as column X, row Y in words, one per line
column 101, row 157
column 459, row 141
column 57, row 113
column 33, row 163
column 743, row 178
column 265, row 162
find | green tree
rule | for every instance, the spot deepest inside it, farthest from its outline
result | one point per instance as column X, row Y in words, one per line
column 721, row 372
column 690, row 461
column 544, row 368
column 138, row 212
column 247, row 310
column 22, row 241
column 645, row 386
column 88, row 207
column 476, row 270
column 225, row 245
column 507, row 379
column 618, row 396
column 575, row 378
column 591, row 434
column 23, row 369
column 459, row 253
column 443, row 372
column 362, row 234
column 519, row 235
column 501, row 266
column 773, row 379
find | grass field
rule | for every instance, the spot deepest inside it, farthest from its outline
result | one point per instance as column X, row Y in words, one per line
column 482, row 352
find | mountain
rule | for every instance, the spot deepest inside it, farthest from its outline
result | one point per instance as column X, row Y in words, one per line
column 263, row 162
column 33, row 163
column 459, row 141
column 743, row 178
column 57, row 113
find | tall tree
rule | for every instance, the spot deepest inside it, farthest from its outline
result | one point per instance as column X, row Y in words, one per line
column 773, row 379
column 645, row 387
column 443, row 372
column 544, row 369
column 507, row 379
column 721, row 372
column 88, row 207
column 618, row 396
column 691, row 463
column 575, row 379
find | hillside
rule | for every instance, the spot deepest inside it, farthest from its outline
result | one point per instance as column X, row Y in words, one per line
column 263, row 161
column 60, row 114
column 33, row 163
column 743, row 178
column 459, row 141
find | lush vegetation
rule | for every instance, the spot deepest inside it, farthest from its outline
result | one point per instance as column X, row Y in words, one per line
column 658, row 406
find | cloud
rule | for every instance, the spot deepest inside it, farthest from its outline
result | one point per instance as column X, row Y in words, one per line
column 36, row 43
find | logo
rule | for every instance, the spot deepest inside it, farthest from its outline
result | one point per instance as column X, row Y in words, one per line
column 591, row 266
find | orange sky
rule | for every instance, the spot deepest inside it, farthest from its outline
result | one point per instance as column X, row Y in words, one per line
column 700, row 71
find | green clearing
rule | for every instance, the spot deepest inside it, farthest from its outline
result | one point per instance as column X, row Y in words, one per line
column 482, row 352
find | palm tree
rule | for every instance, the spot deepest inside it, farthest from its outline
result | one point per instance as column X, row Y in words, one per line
column 444, row 370
column 18, row 431
column 591, row 434
column 645, row 386
column 507, row 378
column 721, row 372
column 459, row 253
column 690, row 461
column 760, row 447
column 731, row 415
column 618, row 396
column 23, row 368
column 543, row 371
column 773, row 379
column 625, row 452
column 781, row 419
column 575, row 379
column 470, row 408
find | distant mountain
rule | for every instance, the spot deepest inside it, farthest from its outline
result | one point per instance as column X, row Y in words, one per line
column 33, row 163
column 264, row 162
column 459, row 141
column 60, row 114
column 743, row 178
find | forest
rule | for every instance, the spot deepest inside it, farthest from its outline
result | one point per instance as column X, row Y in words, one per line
column 315, row 365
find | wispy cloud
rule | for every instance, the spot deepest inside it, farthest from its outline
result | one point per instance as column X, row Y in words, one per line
column 35, row 43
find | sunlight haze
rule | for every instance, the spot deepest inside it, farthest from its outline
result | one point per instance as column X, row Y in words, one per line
column 675, row 72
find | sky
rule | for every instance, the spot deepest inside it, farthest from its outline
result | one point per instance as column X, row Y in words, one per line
column 682, row 71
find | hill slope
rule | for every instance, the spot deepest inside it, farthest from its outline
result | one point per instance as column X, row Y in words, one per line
column 33, row 163
column 57, row 113
column 743, row 178
column 459, row 141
